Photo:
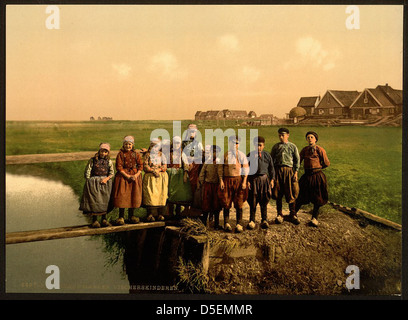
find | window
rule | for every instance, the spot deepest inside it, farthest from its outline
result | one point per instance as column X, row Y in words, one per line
column 321, row 111
column 331, row 111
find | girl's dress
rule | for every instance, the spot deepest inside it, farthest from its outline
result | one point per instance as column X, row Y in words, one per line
column 96, row 196
column 179, row 191
column 155, row 189
column 127, row 193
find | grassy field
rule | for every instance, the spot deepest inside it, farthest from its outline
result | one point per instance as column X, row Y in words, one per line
column 365, row 171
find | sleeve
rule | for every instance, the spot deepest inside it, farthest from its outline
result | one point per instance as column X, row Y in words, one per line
column 296, row 158
column 146, row 165
column 88, row 169
column 324, row 160
column 302, row 155
column 184, row 162
column 273, row 152
column 139, row 162
column 271, row 169
column 119, row 162
column 163, row 166
column 201, row 177
column 111, row 171
column 244, row 164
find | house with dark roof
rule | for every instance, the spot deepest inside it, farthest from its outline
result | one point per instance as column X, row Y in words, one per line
column 214, row 115
column 235, row 114
column 381, row 101
column 309, row 104
column 336, row 104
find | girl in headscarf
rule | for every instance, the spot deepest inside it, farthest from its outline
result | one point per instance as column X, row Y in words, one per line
column 98, row 186
column 155, row 182
column 194, row 151
column 127, row 190
column 180, row 193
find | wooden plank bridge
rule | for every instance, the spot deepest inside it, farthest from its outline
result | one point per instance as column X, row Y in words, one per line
column 74, row 231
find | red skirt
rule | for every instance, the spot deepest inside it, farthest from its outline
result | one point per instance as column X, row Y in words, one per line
column 127, row 194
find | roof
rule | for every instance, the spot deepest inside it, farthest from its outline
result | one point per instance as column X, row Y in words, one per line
column 307, row 101
column 382, row 95
column 394, row 95
column 345, row 98
column 213, row 113
column 237, row 112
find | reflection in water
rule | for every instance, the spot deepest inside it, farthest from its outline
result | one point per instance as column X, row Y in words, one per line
column 34, row 203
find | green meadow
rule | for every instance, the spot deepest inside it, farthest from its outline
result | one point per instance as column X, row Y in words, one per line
column 365, row 171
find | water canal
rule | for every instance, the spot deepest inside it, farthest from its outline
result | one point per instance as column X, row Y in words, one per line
column 84, row 264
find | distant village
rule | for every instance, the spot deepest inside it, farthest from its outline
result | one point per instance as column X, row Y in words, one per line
column 372, row 106
column 100, row 118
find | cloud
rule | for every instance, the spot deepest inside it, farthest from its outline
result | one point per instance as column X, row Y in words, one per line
column 249, row 74
column 310, row 52
column 229, row 42
column 167, row 66
column 122, row 70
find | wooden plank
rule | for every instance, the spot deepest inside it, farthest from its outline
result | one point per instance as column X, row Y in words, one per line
column 53, row 157
column 367, row 215
column 74, row 231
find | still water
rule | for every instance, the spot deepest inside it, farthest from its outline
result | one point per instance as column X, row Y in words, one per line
column 35, row 203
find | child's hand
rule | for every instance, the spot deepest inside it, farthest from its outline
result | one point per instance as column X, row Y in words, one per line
column 295, row 177
column 132, row 177
column 104, row 181
column 272, row 184
column 243, row 186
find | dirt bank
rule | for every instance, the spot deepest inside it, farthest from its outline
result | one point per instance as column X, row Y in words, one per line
column 290, row 259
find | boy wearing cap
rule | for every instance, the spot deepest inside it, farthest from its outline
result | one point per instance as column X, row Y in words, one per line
column 233, row 174
column 286, row 159
column 313, row 183
column 260, row 181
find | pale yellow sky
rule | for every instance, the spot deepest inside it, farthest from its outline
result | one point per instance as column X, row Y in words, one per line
column 165, row 62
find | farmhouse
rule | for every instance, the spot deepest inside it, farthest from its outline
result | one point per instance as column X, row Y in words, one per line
column 308, row 104
column 382, row 101
column 336, row 104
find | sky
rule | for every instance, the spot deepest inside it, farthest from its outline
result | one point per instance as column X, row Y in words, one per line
column 165, row 62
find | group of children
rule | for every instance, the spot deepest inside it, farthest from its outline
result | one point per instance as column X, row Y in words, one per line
column 174, row 179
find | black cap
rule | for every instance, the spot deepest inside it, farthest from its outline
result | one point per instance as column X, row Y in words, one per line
column 313, row 133
column 283, row 130
column 259, row 139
